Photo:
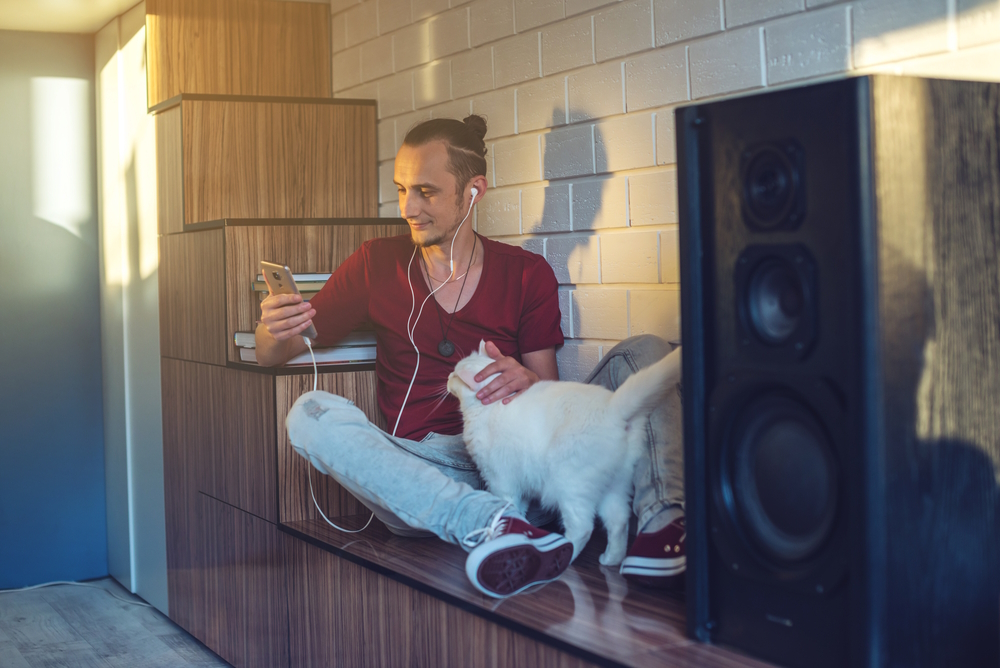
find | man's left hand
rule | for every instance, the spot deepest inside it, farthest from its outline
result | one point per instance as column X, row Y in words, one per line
column 513, row 379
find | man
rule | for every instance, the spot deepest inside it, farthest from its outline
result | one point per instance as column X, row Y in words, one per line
column 430, row 297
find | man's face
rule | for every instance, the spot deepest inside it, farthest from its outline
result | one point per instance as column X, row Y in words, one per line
column 427, row 193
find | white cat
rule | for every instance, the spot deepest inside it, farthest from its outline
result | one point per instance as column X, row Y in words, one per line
column 572, row 446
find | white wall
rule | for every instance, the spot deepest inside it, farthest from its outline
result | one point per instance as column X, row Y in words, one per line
column 130, row 311
column 579, row 96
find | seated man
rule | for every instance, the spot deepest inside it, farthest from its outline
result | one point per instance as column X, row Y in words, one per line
column 430, row 297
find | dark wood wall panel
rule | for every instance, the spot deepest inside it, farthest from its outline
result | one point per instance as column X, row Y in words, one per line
column 341, row 614
column 192, row 297
column 303, row 248
column 246, row 159
column 295, row 502
column 237, row 47
column 169, row 171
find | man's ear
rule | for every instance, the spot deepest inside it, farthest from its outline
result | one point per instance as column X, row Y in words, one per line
column 482, row 347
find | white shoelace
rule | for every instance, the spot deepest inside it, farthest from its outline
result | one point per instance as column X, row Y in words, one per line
column 496, row 527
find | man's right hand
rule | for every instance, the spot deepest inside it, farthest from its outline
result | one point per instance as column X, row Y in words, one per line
column 282, row 319
column 285, row 316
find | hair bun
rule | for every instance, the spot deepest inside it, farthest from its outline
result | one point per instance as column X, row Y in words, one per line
column 477, row 124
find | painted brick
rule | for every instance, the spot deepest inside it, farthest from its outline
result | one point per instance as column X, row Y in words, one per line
column 406, row 122
column 808, row 45
column 388, row 210
column 347, row 68
column 490, row 20
column 979, row 63
column 575, row 259
column 578, row 6
column 821, row 3
column 978, row 22
column 533, row 13
column 655, row 312
column 600, row 203
column 472, row 72
column 630, row 257
column 499, row 110
column 670, row 260
column 565, row 312
column 596, row 92
column 387, row 146
column 677, row 20
column 534, row 245
column 368, row 91
column 545, row 209
column 395, row 95
column 341, row 5
column 338, row 32
column 499, row 212
column 411, row 46
column 424, row 8
column 566, row 45
column 541, row 104
column 657, row 78
column 457, row 109
column 376, row 58
column 666, row 142
column 600, row 313
column 742, row 12
column 568, row 152
column 726, row 63
column 576, row 360
column 623, row 29
column 362, row 22
column 393, row 15
column 459, row 3
column 386, row 188
column 516, row 160
column 432, row 84
column 623, row 143
column 516, row 59
column 889, row 30
column 652, row 198
column 449, row 33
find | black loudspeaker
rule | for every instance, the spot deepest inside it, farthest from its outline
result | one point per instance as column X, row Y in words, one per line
column 841, row 324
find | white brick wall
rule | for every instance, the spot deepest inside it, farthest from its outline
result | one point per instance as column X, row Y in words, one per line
column 580, row 98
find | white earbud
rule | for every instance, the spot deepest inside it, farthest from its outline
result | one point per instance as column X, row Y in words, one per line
column 475, row 191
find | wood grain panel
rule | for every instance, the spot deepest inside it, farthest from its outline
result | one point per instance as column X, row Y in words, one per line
column 245, row 159
column 169, row 171
column 237, row 47
column 266, row 557
column 303, row 248
column 294, row 500
column 192, row 297
column 341, row 614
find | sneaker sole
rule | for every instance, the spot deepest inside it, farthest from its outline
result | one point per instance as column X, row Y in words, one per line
column 512, row 563
column 645, row 566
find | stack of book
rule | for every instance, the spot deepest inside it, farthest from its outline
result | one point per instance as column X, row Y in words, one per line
column 356, row 347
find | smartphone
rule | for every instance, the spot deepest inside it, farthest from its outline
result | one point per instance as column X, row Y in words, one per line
column 279, row 280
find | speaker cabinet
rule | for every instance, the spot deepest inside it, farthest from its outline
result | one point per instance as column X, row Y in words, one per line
column 841, row 325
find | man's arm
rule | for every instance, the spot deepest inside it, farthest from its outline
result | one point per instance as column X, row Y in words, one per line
column 515, row 378
column 282, row 319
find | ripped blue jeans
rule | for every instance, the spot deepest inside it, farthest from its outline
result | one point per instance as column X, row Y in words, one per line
column 432, row 486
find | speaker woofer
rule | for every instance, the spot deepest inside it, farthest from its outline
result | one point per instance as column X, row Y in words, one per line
column 781, row 479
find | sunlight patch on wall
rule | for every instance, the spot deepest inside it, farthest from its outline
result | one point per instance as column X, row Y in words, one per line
column 60, row 129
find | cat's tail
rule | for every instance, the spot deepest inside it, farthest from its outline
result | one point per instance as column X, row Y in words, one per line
column 645, row 389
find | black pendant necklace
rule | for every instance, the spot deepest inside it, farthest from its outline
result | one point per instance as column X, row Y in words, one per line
column 446, row 348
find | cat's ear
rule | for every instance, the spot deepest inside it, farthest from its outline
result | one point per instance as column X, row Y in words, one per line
column 468, row 377
column 482, row 347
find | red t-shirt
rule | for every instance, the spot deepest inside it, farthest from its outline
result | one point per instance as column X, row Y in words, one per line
column 515, row 305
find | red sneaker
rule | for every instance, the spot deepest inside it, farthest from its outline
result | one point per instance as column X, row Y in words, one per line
column 658, row 559
column 516, row 555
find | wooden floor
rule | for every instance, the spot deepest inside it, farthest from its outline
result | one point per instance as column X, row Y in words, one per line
column 591, row 611
column 85, row 627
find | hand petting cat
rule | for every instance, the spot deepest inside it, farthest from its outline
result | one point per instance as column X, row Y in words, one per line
column 514, row 377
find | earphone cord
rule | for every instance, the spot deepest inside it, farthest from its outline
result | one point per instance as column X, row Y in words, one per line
column 310, row 468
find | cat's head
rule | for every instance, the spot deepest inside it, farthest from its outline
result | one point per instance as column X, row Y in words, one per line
column 462, row 381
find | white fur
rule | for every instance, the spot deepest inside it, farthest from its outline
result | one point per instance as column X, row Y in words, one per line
column 572, row 446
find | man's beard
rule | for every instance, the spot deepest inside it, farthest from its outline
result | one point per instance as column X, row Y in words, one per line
column 440, row 237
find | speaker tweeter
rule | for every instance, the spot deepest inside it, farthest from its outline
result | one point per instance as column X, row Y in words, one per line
column 773, row 186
